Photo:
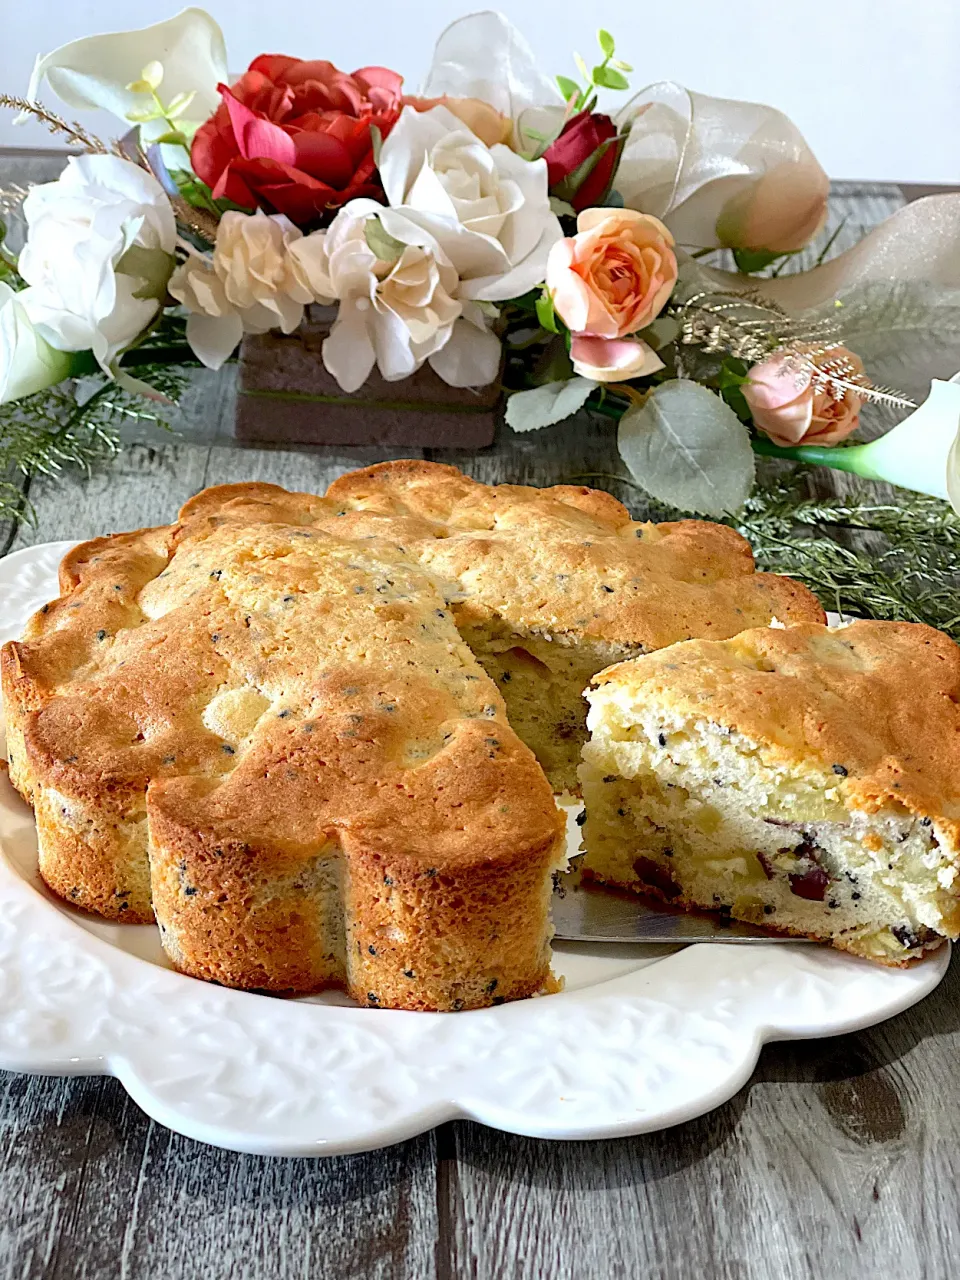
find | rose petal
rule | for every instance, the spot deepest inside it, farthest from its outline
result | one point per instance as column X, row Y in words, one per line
column 257, row 138
column 612, row 359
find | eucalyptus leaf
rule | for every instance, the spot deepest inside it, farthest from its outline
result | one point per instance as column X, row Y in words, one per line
column 605, row 40
column 543, row 406
column 685, row 446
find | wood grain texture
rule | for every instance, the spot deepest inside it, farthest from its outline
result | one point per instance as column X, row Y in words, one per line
column 840, row 1158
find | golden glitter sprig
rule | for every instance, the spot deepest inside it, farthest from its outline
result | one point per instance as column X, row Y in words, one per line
column 751, row 327
column 71, row 130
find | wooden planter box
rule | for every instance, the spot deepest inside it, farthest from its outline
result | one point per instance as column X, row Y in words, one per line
column 286, row 396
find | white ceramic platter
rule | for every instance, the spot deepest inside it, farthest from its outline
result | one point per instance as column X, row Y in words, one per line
column 640, row 1038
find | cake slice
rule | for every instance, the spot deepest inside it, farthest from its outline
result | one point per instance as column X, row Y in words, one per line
column 804, row 778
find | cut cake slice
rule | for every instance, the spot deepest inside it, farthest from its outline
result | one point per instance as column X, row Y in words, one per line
column 803, row 778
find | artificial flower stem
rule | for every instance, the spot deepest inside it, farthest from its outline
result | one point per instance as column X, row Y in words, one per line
column 817, row 455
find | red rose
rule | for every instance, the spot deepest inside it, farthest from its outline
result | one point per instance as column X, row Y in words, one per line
column 294, row 137
column 579, row 139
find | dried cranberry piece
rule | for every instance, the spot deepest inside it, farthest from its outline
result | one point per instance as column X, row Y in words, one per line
column 651, row 873
column 811, row 884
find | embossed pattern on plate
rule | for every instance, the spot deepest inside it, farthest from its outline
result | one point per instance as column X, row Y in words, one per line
column 640, row 1039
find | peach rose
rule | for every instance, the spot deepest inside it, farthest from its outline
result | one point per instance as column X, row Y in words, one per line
column 786, row 406
column 615, row 275
column 479, row 117
column 780, row 212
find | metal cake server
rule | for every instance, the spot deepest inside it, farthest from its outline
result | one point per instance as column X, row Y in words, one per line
column 588, row 913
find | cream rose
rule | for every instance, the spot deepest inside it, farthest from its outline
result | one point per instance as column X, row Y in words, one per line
column 251, row 285
column 787, row 405
column 615, row 275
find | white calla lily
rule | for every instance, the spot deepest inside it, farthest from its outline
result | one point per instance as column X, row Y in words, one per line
column 99, row 70
column 27, row 362
column 921, row 453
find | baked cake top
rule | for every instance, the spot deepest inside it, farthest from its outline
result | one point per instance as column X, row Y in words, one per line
column 874, row 704
column 276, row 686
column 567, row 560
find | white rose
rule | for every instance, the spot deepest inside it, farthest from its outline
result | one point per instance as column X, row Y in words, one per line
column 487, row 208
column 251, row 285
column 396, row 310
column 99, row 251
column 27, row 363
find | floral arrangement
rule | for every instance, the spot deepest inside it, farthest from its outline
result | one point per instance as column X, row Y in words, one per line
column 496, row 230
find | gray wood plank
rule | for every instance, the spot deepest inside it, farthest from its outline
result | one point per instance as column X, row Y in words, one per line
column 92, row 1189
column 839, row 1159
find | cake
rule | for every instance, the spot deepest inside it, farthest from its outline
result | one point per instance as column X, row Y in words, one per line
column 300, row 732
column 803, row 778
column 548, row 586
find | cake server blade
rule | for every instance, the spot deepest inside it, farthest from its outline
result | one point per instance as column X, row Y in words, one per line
column 588, row 913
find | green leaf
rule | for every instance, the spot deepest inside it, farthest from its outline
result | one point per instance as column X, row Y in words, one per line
column 178, row 105
column 175, row 138
column 543, row 406
column 750, row 260
column 546, row 314
column 733, row 373
column 660, row 333
column 382, row 243
column 605, row 40
column 569, row 88
column 376, row 143
column 685, row 446
column 581, row 66
column 608, row 78
column 562, row 208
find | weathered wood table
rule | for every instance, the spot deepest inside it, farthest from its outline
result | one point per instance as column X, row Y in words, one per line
column 840, row 1158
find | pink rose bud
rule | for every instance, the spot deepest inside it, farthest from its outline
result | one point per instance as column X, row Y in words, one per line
column 786, row 406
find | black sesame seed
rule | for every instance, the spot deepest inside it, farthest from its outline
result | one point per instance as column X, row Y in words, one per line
column 926, row 822
column 833, row 904
column 490, row 712
column 287, row 599
column 667, row 853
column 387, row 880
column 768, row 910
column 621, row 813
column 610, row 777
column 45, row 609
column 609, row 590
column 581, row 817
column 839, row 769
column 408, row 973
column 284, row 715
column 662, row 739
column 189, row 891
column 492, row 986
column 372, row 998
column 226, row 748
column 372, row 950
column 215, row 637
column 440, row 613
column 431, row 871
column 217, row 574
column 856, row 896
column 506, row 677
column 101, row 635
column 456, row 1006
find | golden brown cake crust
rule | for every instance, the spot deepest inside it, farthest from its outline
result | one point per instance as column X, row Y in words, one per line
column 277, row 675
column 876, row 702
